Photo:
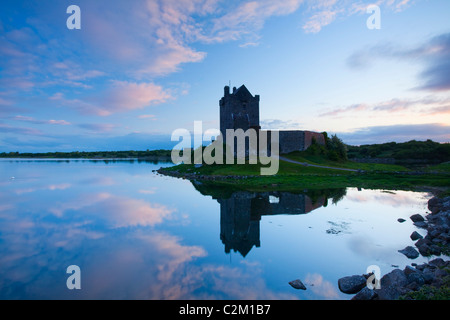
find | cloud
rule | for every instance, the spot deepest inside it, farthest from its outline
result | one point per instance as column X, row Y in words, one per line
column 434, row 54
column 398, row 133
column 319, row 20
column 119, row 96
column 280, row 124
column 35, row 121
column 98, row 127
column 247, row 19
column 436, row 75
column 125, row 96
column 428, row 105
column 19, row 130
column 147, row 116
column 324, row 12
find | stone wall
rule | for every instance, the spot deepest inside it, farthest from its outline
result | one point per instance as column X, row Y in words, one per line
column 309, row 135
column 293, row 140
column 296, row 140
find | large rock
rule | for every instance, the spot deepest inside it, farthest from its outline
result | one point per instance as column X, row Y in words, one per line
column 435, row 250
column 410, row 252
column 417, row 217
column 352, row 284
column 422, row 242
column 394, row 278
column 435, row 205
column 365, row 294
column 392, row 285
column 439, row 263
column 416, row 277
column 416, row 236
column 424, row 250
column 297, row 284
column 421, row 224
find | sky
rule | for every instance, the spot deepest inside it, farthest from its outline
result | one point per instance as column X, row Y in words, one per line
column 138, row 70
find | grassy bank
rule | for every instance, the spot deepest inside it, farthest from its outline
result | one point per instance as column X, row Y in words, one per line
column 293, row 177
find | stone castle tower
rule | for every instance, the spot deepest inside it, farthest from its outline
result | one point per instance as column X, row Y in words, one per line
column 240, row 110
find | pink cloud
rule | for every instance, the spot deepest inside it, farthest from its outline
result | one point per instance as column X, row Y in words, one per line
column 147, row 116
column 126, row 96
column 422, row 106
column 121, row 96
column 324, row 12
column 319, row 20
column 36, row 121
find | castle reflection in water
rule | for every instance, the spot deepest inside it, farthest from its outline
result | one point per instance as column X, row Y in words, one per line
column 241, row 213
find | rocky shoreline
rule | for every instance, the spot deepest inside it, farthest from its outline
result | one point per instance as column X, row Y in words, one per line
column 425, row 281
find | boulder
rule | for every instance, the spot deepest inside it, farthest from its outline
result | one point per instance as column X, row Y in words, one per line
column 297, row 284
column 422, row 242
column 424, row 250
column 352, row 284
column 438, row 262
column 435, row 205
column 416, row 236
column 391, row 292
column 428, row 277
column 401, row 220
column 421, row 224
column 409, row 270
column 416, row 277
column 417, row 217
column 365, row 294
column 435, row 250
column 410, row 252
column 393, row 285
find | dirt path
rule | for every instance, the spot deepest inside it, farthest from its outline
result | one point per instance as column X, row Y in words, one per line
column 314, row 165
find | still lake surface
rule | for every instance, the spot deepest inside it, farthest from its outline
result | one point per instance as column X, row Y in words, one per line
column 136, row 234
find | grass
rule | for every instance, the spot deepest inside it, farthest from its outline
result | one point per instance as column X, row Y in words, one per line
column 429, row 292
column 320, row 160
column 293, row 177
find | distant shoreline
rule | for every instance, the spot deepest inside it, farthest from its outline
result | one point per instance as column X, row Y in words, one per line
column 93, row 155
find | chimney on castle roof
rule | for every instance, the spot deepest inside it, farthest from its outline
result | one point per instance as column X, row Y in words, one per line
column 234, row 90
column 226, row 91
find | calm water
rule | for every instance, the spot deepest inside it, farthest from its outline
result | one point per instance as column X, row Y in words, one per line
column 139, row 235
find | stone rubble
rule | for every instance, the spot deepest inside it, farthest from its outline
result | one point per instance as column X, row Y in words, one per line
column 435, row 273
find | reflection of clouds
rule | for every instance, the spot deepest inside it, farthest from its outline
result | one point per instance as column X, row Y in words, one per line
column 141, row 266
column 236, row 283
column 5, row 207
column 124, row 264
column 397, row 199
column 124, row 212
column 99, row 181
column 321, row 287
column 148, row 191
column 78, row 203
column 52, row 187
column 363, row 246
column 119, row 211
